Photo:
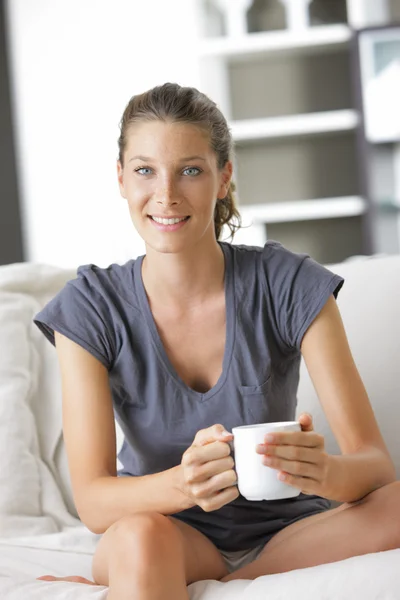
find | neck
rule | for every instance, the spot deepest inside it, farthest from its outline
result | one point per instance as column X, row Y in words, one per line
column 186, row 279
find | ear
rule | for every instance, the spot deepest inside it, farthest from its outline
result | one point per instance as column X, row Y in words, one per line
column 120, row 175
column 225, row 179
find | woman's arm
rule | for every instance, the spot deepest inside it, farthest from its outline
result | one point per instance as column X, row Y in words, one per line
column 109, row 498
column 365, row 463
column 100, row 496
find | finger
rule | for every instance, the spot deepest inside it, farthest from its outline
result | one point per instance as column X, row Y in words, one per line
column 198, row 455
column 296, row 438
column 211, row 434
column 293, row 467
column 305, row 484
column 300, row 453
column 198, row 473
column 219, row 499
column 306, row 422
column 214, row 485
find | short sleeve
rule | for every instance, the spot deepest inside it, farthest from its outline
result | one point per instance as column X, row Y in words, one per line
column 80, row 313
column 299, row 287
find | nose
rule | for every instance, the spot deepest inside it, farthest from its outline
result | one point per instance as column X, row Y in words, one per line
column 167, row 194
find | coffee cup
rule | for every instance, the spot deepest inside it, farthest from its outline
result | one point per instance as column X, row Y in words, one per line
column 257, row 481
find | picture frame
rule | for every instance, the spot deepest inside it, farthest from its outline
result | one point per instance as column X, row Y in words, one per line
column 379, row 63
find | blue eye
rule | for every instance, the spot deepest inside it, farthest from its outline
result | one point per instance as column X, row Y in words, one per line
column 143, row 169
column 189, row 171
column 194, row 171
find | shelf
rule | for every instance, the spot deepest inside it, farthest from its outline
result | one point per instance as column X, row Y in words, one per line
column 313, row 39
column 302, row 210
column 292, row 125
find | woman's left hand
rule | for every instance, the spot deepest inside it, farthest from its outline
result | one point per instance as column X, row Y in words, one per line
column 300, row 457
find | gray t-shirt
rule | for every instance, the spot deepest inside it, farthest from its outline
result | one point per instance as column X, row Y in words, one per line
column 272, row 296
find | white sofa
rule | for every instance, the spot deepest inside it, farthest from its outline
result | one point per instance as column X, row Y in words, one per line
column 40, row 532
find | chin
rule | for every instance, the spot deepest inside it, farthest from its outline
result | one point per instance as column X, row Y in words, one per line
column 166, row 246
column 173, row 243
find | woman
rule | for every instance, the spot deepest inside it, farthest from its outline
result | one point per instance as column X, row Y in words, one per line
column 188, row 341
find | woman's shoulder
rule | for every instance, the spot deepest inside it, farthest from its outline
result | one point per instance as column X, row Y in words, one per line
column 109, row 276
column 112, row 284
column 271, row 256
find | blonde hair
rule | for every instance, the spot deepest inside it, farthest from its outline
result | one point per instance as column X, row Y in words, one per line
column 171, row 102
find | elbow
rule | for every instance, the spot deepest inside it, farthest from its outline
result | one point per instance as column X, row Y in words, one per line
column 90, row 513
column 389, row 476
column 386, row 472
column 97, row 528
column 90, row 520
column 91, row 500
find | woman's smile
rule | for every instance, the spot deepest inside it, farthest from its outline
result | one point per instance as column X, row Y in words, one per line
column 168, row 224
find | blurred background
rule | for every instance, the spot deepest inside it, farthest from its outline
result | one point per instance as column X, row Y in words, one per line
column 311, row 90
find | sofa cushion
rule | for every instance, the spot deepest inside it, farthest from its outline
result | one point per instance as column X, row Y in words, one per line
column 369, row 302
column 30, row 500
column 24, row 289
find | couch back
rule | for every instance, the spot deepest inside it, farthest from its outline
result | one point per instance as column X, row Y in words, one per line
column 369, row 303
column 30, row 391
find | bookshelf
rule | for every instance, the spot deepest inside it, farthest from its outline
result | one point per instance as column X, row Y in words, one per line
column 288, row 93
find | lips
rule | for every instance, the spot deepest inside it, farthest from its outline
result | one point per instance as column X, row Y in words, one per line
column 168, row 220
column 168, row 224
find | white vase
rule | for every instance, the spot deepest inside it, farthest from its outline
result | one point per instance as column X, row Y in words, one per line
column 235, row 12
column 297, row 15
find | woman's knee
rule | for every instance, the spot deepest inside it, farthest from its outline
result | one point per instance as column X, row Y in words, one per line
column 145, row 533
column 136, row 540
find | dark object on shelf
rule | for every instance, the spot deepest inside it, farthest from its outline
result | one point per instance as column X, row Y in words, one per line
column 328, row 12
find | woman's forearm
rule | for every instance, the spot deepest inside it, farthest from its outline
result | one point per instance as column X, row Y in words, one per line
column 107, row 499
column 353, row 476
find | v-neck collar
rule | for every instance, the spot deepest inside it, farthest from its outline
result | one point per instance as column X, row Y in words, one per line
column 230, row 324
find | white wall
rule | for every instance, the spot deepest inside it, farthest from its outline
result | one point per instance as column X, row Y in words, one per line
column 74, row 66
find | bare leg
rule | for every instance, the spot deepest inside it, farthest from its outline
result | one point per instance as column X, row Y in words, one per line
column 368, row 525
column 73, row 578
column 148, row 564
column 151, row 556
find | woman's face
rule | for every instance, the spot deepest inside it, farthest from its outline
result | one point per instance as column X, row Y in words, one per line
column 171, row 182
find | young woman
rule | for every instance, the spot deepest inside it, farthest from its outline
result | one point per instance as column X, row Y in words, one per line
column 188, row 341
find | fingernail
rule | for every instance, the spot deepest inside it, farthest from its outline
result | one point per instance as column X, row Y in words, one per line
column 225, row 433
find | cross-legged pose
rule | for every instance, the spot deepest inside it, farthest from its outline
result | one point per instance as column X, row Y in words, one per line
column 184, row 343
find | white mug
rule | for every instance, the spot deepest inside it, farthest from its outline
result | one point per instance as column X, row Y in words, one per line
column 257, row 481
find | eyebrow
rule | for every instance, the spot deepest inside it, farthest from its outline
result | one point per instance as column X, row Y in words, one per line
column 185, row 159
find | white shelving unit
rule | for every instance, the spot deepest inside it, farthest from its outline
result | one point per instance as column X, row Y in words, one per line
column 303, row 210
column 293, row 125
column 288, row 98
column 261, row 45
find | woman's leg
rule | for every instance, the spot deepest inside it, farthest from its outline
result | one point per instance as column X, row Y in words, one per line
column 149, row 555
column 368, row 525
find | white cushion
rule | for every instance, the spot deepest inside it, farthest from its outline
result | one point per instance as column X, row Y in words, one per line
column 30, row 500
column 369, row 302
column 36, row 407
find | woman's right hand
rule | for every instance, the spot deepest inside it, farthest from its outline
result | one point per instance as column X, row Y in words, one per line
column 207, row 468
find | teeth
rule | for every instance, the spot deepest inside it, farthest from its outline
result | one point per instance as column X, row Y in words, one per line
column 167, row 221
